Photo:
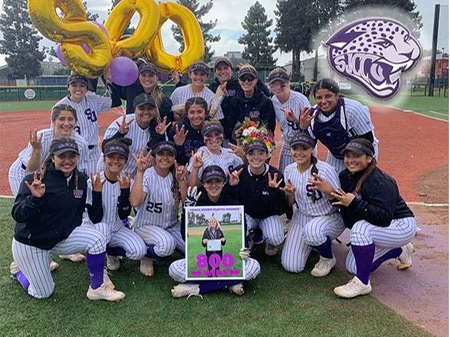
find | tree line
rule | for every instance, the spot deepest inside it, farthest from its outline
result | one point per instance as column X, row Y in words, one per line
column 296, row 24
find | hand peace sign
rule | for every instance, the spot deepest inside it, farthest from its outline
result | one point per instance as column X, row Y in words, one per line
column 125, row 180
column 180, row 135
column 289, row 115
column 197, row 160
column 273, row 181
column 233, row 177
column 37, row 188
column 180, row 172
column 143, row 162
column 162, row 125
column 97, row 183
column 35, row 141
column 124, row 127
column 288, row 189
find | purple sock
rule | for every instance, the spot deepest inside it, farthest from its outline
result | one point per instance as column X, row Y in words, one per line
column 151, row 252
column 20, row 277
column 363, row 258
column 95, row 265
column 116, row 251
column 210, row 286
column 392, row 254
column 325, row 249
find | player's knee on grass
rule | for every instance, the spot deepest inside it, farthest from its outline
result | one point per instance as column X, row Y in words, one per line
column 177, row 271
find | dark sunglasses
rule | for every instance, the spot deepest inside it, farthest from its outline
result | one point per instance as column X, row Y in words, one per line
column 247, row 78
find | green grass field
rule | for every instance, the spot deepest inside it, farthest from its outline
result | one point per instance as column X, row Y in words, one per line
column 26, row 105
column 276, row 303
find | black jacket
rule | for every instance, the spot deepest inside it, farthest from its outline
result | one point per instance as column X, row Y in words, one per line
column 194, row 140
column 379, row 201
column 260, row 201
column 258, row 108
column 43, row 222
column 128, row 93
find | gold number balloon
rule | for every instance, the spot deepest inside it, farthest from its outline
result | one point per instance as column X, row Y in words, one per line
column 192, row 37
column 72, row 30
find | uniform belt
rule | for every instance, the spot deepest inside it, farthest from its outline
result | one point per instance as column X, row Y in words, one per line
column 24, row 167
column 90, row 147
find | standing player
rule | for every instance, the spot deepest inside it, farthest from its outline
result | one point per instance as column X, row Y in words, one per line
column 48, row 210
column 336, row 120
column 256, row 186
column 87, row 107
column 156, row 193
column 381, row 224
column 108, row 204
column 316, row 223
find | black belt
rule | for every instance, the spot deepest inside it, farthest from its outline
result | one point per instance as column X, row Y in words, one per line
column 24, row 167
column 90, row 147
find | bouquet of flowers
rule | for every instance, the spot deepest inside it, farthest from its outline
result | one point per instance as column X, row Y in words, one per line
column 251, row 130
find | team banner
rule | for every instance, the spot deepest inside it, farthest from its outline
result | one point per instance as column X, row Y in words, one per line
column 215, row 236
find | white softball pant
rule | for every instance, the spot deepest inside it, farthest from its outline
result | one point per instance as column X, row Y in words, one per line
column 272, row 228
column 165, row 240
column 177, row 270
column 305, row 232
column 125, row 238
column 34, row 262
column 363, row 233
column 16, row 173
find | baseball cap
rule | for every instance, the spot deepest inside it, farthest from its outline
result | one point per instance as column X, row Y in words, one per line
column 200, row 65
column 303, row 138
column 256, row 144
column 225, row 60
column 117, row 146
column 63, row 145
column 143, row 99
column 213, row 172
column 360, row 146
column 165, row 146
column 147, row 67
column 278, row 74
column 77, row 78
column 211, row 126
column 247, row 70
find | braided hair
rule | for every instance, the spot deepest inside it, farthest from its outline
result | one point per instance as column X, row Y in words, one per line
column 370, row 168
column 315, row 170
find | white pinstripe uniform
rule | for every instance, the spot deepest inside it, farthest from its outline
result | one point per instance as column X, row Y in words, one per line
column 227, row 160
column 312, row 221
column 177, row 270
column 296, row 102
column 181, row 94
column 17, row 170
column 139, row 136
column 156, row 219
column 111, row 226
column 87, row 126
column 358, row 122
column 272, row 228
column 34, row 261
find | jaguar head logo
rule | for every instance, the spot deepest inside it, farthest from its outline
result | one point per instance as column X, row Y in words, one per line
column 374, row 53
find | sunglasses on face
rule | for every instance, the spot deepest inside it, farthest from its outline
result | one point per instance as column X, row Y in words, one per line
column 277, row 86
column 247, row 78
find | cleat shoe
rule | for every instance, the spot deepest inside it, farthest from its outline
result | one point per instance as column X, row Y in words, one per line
column 73, row 257
column 112, row 262
column 186, row 289
column 353, row 288
column 323, row 267
column 107, row 280
column 53, row 265
column 256, row 236
column 146, row 266
column 237, row 289
column 13, row 269
column 105, row 293
column 405, row 258
column 270, row 250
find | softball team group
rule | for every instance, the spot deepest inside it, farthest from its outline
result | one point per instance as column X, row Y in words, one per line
column 120, row 198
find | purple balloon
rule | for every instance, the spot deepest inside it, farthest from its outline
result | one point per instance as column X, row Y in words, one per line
column 123, row 71
column 60, row 55
column 101, row 27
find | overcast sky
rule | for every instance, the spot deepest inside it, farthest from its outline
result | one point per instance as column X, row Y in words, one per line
column 229, row 23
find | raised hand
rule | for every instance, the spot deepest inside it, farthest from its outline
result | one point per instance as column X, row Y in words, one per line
column 143, row 162
column 35, row 141
column 124, row 126
column 97, row 183
column 125, row 180
column 180, row 135
column 273, row 181
column 289, row 115
column 180, row 172
column 288, row 189
column 237, row 149
column 37, row 188
column 343, row 198
column 233, row 177
column 197, row 160
column 320, row 184
column 162, row 125
column 192, row 196
column 306, row 116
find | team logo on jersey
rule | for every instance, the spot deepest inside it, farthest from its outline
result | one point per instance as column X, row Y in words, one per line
column 374, row 53
column 254, row 114
column 78, row 194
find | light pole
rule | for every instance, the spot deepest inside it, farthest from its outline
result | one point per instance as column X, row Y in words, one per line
column 442, row 67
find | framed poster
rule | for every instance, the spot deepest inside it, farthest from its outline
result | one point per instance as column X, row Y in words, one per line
column 215, row 235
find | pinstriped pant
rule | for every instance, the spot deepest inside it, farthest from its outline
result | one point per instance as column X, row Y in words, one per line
column 177, row 270
column 165, row 240
column 305, row 232
column 34, row 262
column 363, row 233
column 272, row 228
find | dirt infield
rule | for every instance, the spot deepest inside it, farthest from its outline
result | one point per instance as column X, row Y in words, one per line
column 413, row 149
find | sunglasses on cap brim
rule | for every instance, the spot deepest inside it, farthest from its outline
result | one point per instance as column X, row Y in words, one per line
column 247, row 78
